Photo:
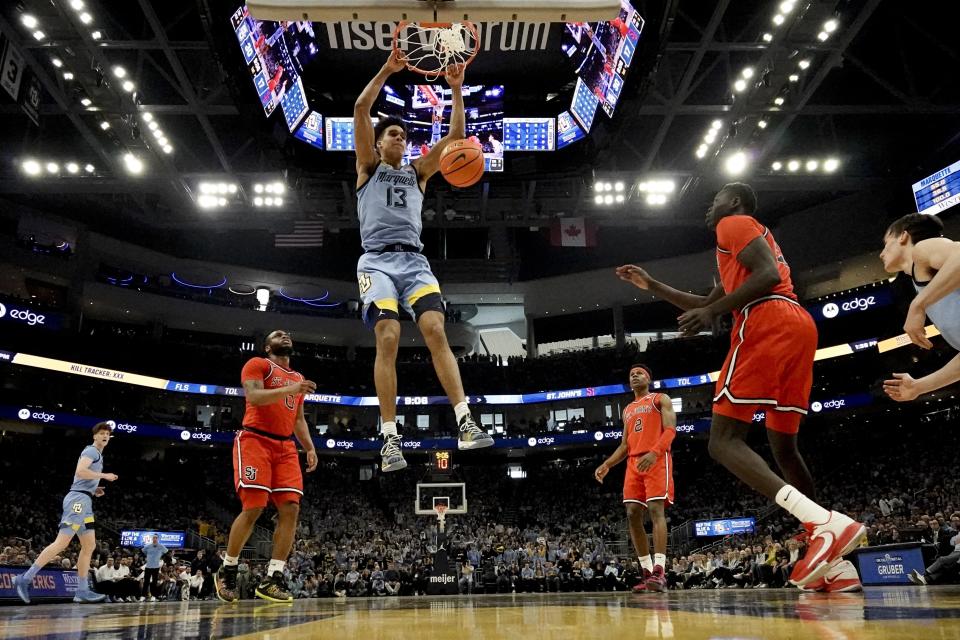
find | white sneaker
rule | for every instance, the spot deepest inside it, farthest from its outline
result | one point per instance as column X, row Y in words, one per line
column 151, row 599
column 391, row 456
column 142, row 599
column 828, row 542
column 841, row 577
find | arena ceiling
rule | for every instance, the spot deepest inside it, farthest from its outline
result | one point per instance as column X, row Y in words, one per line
column 879, row 93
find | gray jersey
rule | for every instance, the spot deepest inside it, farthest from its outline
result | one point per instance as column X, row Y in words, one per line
column 945, row 314
column 90, row 486
column 389, row 206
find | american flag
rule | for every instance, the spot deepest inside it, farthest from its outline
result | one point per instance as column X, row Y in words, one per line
column 306, row 234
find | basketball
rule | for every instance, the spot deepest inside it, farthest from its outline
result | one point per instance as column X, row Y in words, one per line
column 462, row 163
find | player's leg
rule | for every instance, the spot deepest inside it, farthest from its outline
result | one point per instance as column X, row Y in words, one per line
column 88, row 544
column 788, row 458
column 422, row 297
column 635, row 501
column 380, row 311
column 728, row 446
column 273, row 587
column 252, row 478
column 658, row 581
column 22, row 582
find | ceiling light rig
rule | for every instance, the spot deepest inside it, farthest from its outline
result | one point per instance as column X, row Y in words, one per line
column 829, row 164
column 33, row 168
column 709, row 138
column 609, row 193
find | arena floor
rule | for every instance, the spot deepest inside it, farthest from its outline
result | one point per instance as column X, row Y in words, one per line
column 880, row 613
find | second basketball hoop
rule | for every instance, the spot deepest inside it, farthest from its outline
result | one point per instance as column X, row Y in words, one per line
column 430, row 47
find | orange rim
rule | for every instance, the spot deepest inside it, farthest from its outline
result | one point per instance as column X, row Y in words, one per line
column 435, row 25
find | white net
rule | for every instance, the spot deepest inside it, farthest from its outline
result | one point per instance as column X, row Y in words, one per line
column 431, row 49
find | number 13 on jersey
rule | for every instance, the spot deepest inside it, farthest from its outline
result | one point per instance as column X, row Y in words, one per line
column 397, row 197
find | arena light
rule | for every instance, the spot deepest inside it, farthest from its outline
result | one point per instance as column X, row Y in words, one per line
column 786, row 6
column 207, row 201
column 258, row 188
column 831, row 164
column 804, row 64
column 736, row 163
column 620, row 198
column 77, row 5
column 608, row 199
column 31, row 167
column 702, row 151
column 53, row 167
column 768, row 37
column 68, row 75
column 793, row 77
column 710, row 136
column 86, row 102
column 762, row 124
column 812, row 165
column 119, row 72
column 822, row 36
column 776, row 166
column 89, row 168
column 778, row 101
column 167, row 149
column 96, row 35
column 268, row 201
column 73, row 167
column 618, row 186
column 793, row 165
column 258, row 201
column 29, row 21
column 656, row 199
column 740, row 85
column 104, row 125
column 57, row 62
column 39, row 35
column 86, row 18
column 778, row 19
column 128, row 86
column 153, row 126
column 716, row 124
column 747, row 72
column 133, row 164
column 147, row 116
column 830, row 26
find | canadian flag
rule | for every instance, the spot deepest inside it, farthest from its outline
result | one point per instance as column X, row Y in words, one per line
column 573, row 232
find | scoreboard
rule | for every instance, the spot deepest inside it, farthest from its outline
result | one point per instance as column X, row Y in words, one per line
column 339, row 133
column 584, row 106
column 442, row 461
column 938, row 192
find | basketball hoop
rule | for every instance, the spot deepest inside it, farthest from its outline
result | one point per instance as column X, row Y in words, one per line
column 441, row 510
column 430, row 47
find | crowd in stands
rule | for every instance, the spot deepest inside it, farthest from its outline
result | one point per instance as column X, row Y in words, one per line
column 358, row 535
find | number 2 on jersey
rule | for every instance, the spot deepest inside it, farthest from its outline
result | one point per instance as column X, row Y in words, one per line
column 397, row 197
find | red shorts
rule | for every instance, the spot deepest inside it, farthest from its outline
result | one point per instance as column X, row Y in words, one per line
column 265, row 470
column 656, row 483
column 770, row 365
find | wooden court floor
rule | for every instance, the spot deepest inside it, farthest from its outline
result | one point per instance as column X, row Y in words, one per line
column 931, row 613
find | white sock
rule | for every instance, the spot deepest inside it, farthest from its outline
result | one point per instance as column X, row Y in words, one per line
column 231, row 561
column 660, row 560
column 275, row 565
column 389, row 428
column 646, row 563
column 800, row 506
column 461, row 409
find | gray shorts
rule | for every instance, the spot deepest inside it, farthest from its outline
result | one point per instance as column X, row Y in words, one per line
column 77, row 515
column 390, row 279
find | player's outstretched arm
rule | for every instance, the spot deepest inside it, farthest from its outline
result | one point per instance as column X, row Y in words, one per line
column 362, row 127
column 430, row 163
column 903, row 387
column 942, row 256
column 639, row 278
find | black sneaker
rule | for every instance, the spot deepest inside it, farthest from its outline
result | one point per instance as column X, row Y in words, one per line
column 472, row 436
column 225, row 581
column 274, row 589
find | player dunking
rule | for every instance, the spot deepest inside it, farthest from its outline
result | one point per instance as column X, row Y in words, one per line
column 649, row 427
column 915, row 244
column 392, row 270
column 266, row 466
column 77, row 520
column 769, row 367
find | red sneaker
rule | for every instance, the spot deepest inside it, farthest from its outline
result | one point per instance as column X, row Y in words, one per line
column 829, row 541
column 641, row 587
column 657, row 581
column 841, row 577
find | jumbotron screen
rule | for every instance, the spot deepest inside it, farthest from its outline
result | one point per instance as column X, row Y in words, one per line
column 602, row 52
column 275, row 53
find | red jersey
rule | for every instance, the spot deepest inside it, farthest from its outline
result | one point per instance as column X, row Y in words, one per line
column 277, row 418
column 733, row 234
column 643, row 424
